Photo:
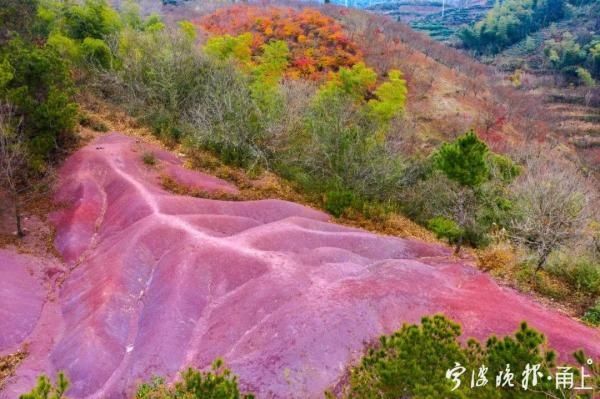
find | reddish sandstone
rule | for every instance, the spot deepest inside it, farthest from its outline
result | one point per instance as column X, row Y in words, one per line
column 159, row 282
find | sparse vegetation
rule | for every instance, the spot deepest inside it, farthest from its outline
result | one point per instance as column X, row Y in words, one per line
column 149, row 158
column 592, row 315
column 419, row 361
column 9, row 363
column 13, row 161
column 45, row 389
column 551, row 207
column 93, row 123
column 218, row 383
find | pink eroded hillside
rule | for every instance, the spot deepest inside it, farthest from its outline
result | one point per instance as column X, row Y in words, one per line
column 157, row 282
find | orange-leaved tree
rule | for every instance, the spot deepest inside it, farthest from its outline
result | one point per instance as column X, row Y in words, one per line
column 317, row 44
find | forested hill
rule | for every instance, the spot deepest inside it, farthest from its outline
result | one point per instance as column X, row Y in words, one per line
column 557, row 35
column 440, row 19
column 550, row 48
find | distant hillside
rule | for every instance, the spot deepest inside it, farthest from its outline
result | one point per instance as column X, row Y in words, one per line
column 439, row 19
column 559, row 61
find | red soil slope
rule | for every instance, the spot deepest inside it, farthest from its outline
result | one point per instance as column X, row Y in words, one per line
column 156, row 282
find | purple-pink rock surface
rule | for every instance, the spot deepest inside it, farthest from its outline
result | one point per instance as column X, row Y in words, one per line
column 156, row 282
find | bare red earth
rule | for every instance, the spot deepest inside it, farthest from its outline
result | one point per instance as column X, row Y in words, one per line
column 157, row 282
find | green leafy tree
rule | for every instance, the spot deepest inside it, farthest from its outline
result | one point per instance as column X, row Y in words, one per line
column 188, row 29
column 585, row 77
column 465, row 163
column 510, row 21
column 65, row 46
column 227, row 47
column 266, row 76
column 464, row 160
column 567, row 56
column 92, row 18
column 356, row 82
column 343, row 149
column 272, row 63
column 390, row 97
column 40, row 88
column 463, row 192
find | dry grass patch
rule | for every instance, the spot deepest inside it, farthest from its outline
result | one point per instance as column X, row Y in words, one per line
column 496, row 257
column 9, row 364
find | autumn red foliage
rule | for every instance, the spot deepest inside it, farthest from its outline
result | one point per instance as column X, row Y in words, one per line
column 317, row 43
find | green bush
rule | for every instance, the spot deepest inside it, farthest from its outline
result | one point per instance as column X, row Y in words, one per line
column 585, row 276
column 164, row 124
column 149, row 158
column 46, row 390
column 592, row 315
column 461, row 191
column 410, row 363
column 250, row 140
column 582, row 273
column 413, row 363
column 96, row 52
column 446, row 228
column 585, row 77
column 219, row 383
column 160, row 77
column 464, row 160
column 94, row 19
column 337, row 202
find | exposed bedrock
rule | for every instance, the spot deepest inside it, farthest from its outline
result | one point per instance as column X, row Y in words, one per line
column 157, row 282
